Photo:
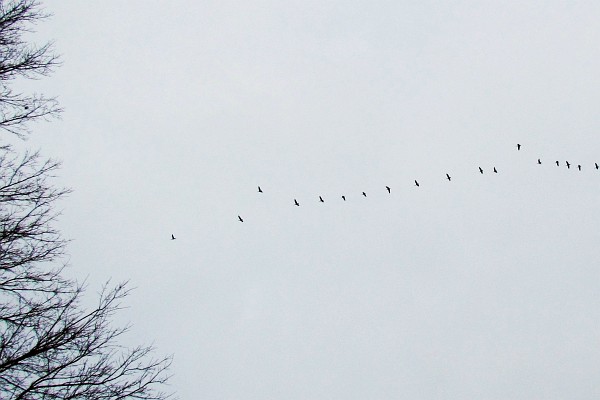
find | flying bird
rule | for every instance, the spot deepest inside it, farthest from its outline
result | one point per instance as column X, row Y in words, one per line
column 388, row 189
column 344, row 198
column 495, row 170
column 579, row 167
column 480, row 170
column 448, row 177
column 416, row 183
column 172, row 237
column 539, row 161
column 557, row 163
column 364, row 194
column 296, row 202
column 596, row 164
column 568, row 164
column 240, row 218
column 518, row 146
column 259, row 190
column 322, row 201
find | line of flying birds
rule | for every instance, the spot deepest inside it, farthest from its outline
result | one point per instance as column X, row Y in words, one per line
column 389, row 189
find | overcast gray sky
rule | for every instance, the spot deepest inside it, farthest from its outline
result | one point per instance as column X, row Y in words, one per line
column 483, row 287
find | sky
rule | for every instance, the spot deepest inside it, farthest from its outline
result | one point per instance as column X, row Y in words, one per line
column 485, row 286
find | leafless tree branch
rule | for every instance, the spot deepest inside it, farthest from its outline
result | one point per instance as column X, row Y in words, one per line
column 51, row 346
column 20, row 59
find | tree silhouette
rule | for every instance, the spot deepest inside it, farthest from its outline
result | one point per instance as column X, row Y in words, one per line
column 20, row 59
column 51, row 346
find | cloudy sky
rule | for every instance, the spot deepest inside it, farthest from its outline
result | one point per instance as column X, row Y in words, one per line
column 483, row 287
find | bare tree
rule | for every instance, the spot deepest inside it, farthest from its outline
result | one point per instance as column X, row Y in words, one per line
column 19, row 59
column 51, row 346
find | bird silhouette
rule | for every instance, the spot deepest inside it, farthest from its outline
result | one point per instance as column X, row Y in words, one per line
column 344, row 198
column 579, row 167
column 364, row 194
column 480, row 170
column 518, row 146
column 539, row 161
column 416, row 183
column 240, row 218
column 568, row 164
column 296, row 202
column 259, row 190
column 557, row 163
column 448, row 177
column 495, row 170
column 173, row 237
column 321, row 199
column 596, row 164
column 388, row 189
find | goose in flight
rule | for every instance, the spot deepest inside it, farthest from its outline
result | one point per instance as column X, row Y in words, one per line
column 579, row 167
column 448, row 177
column 539, row 161
column 343, row 197
column 240, row 218
column 173, row 237
column 596, row 164
column 364, row 194
column 321, row 199
column 259, row 190
column 557, row 163
column 296, row 202
column 568, row 164
column 480, row 170
column 518, row 146
column 388, row 189
column 495, row 170
column 416, row 183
